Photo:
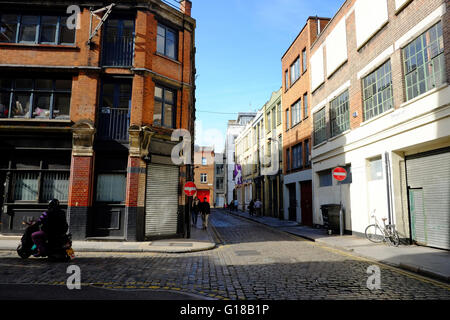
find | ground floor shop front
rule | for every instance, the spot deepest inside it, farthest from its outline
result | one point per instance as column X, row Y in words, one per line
column 108, row 192
column 401, row 173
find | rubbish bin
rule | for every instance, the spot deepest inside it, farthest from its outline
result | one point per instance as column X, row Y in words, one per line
column 331, row 217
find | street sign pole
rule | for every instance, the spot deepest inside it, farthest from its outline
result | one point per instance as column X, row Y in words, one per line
column 188, row 223
column 189, row 189
column 340, row 174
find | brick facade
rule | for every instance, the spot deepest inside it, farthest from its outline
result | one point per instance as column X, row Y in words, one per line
column 84, row 64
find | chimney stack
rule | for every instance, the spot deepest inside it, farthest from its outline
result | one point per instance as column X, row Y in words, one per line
column 185, row 7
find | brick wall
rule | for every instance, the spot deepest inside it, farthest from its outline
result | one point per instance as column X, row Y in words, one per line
column 302, row 131
column 81, row 174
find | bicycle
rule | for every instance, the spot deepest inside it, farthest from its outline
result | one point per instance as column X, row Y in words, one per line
column 377, row 234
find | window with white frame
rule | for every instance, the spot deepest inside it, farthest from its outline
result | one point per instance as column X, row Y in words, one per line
column 295, row 71
column 377, row 91
column 295, row 113
column 203, row 178
column 424, row 62
column 305, row 105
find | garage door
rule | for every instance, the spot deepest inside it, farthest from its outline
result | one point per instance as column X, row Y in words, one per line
column 161, row 207
column 428, row 177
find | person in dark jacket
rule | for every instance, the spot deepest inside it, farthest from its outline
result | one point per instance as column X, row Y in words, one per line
column 206, row 210
column 195, row 210
column 251, row 208
column 52, row 224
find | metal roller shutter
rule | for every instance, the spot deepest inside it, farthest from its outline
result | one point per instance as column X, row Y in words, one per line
column 428, row 177
column 161, row 205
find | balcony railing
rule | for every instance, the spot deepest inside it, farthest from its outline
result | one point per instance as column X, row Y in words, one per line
column 113, row 124
column 118, row 52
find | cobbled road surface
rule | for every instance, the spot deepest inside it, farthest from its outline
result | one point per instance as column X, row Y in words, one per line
column 252, row 262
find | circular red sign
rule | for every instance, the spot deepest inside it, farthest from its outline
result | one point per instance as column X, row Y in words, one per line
column 340, row 174
column 190, row 189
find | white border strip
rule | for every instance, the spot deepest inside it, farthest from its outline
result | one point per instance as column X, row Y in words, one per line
column 375, row 62
column 420, row 27
column 338, row 91
column 331, row 96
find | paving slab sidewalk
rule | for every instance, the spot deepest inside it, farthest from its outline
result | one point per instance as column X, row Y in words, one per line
column 200, row 240
column 430, row 262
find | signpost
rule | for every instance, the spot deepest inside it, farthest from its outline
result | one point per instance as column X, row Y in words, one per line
column 190, row 189
column 340, row 174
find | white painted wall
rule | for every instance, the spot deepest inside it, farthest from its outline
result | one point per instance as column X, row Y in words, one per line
column 336, row 45
column 370, row 16
column 317, row 69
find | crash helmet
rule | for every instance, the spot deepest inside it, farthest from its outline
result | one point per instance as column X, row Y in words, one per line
column 53, row 205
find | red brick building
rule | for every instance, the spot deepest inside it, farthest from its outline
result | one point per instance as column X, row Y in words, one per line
column 204, row 159
column 87, row 114
column 297, row 123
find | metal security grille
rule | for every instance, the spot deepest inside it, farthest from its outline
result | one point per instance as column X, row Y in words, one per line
column 161, row 208
column 428, row 179
column 339, row 114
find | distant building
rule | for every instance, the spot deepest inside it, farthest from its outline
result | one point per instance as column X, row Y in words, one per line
column 258, row 152
column 219, row 178
column 233, row 130
column 204, row 177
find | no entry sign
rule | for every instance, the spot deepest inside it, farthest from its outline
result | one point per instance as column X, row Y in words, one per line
column 190, row 189
column 340, row 174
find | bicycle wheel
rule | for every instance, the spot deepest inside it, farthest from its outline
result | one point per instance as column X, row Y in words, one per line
column 374, row 234
column 393, row 237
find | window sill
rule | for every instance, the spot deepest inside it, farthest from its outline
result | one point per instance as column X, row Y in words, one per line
column 295, row 125
column 168, row 58
column 39, row 45
column 423, row 95
column 296, row 80
column 377, row 117
column 339, row 135
column 35, row 120
column 320, row 144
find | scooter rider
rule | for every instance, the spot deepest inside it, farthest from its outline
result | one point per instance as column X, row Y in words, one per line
column 52, row 225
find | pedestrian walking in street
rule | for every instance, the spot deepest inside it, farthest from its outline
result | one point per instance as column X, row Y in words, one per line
column 236, row 205
column 251, row 208
column 205, row 210
column 195, row 211
column 258, row 205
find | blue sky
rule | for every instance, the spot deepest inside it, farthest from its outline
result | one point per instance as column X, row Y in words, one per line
column 239, row 48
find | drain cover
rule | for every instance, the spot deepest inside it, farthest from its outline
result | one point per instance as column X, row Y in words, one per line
column 247, row 253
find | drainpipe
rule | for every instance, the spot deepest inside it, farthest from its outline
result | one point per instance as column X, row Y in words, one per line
column 388, row 185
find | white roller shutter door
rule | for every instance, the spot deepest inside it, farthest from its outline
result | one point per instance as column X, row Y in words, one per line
column 429, row 198
column 161, row 205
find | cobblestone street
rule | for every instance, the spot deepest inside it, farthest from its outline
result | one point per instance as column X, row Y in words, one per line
column 253, row 262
